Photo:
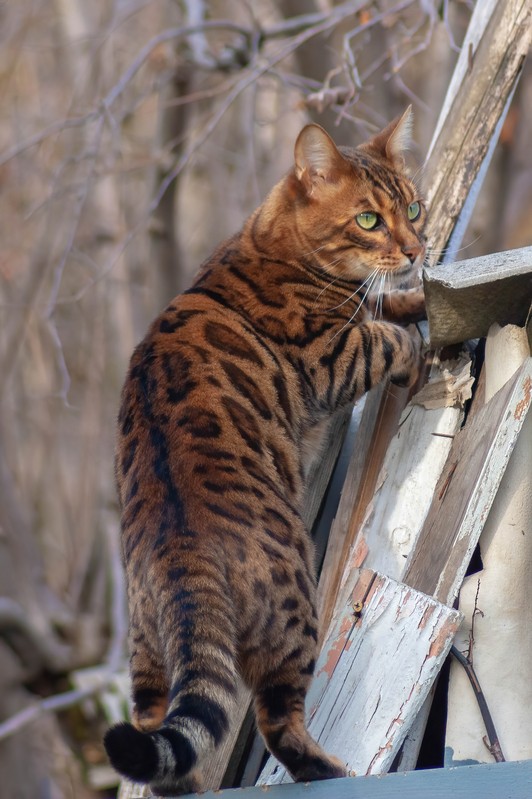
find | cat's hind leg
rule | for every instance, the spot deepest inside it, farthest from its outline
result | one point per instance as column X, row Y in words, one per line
column 280, row 713
column 149, row 680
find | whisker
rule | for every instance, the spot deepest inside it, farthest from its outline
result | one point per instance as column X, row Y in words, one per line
column 312, row 252
column 390, row 293
column 383, row 288
column 419, row 171
column 371, row 275
column 378, row 303
column 374, row 277
column 325, row 289
column 327, row 267
column 434, row 251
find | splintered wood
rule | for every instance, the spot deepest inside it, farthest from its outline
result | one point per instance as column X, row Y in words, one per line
column 357, row 709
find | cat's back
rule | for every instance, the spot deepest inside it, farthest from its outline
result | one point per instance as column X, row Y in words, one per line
column 208, row 407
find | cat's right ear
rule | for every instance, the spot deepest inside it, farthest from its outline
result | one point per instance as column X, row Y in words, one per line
column 317, row 159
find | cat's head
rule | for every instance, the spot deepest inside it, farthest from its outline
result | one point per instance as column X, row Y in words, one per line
column 357, row 209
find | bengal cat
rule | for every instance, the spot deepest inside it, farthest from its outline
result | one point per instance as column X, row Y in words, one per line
column 219, row 411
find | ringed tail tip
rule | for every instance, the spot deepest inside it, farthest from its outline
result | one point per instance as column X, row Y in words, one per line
column 131, row 752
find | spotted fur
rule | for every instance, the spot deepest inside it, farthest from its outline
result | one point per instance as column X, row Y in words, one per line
column 224, row 404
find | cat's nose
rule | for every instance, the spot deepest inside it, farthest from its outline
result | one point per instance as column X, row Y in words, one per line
column 412, row 251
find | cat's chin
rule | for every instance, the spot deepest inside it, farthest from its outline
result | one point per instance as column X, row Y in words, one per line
column 406, row 277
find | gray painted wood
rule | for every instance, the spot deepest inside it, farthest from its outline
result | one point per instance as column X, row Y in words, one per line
column 464, row 298
column 488, row 781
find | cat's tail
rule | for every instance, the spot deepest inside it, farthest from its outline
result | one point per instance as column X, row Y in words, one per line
column 134, row 754
column 201, row 701
column 168, row 757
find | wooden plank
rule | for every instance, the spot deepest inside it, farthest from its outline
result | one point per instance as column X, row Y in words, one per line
column 380, row 418
column 490, row 71
column 464, row 298
column 362, row 713
column 493, row 781
column 338, row 543
column 465, row 491
column 411, row 747
column 413, row 463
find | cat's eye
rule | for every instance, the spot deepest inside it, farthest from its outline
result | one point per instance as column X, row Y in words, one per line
column 414, row 210
column 367, row 220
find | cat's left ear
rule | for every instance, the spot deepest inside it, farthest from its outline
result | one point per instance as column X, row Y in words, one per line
column 317, row 159
column 392, row 142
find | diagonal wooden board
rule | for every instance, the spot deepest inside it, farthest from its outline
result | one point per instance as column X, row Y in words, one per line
column 466, row 489
column 374, row 671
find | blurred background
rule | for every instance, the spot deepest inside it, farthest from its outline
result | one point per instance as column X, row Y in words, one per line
column 134, row 136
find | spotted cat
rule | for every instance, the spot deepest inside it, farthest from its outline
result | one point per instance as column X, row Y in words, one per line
column 221, row 411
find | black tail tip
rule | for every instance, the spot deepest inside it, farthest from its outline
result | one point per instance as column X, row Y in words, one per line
column 131, row 752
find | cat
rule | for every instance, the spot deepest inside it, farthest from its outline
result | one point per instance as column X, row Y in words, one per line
column 221, row 410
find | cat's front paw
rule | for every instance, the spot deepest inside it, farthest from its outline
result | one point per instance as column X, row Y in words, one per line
column 408, row 306
column 406, row 372
column 416, row 307
column 406, row 380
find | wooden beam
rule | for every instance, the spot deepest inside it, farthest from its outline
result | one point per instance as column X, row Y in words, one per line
column 339, row 539
column 381, row 655
column 464, row 298
column 492, row 69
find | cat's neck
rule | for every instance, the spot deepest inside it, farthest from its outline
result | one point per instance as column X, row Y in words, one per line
column 272, row 228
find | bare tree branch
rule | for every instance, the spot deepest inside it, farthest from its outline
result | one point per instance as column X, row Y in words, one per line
column 51, row 705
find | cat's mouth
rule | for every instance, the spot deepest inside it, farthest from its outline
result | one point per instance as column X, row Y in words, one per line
column 402, row 271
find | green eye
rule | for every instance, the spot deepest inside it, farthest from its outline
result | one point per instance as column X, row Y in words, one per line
column 414, row 210
column 367, row 220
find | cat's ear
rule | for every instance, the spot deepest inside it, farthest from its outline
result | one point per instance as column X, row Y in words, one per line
column 317, row 159
column 392, row 142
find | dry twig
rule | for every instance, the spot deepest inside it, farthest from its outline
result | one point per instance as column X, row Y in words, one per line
column 492, row 739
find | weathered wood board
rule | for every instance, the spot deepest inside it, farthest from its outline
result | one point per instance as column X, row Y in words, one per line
column 374, row 672
column 464, row 298
column 466, row 489
column 495, row 601
column 488, row 72
column 412, row 466
column 339, row 539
